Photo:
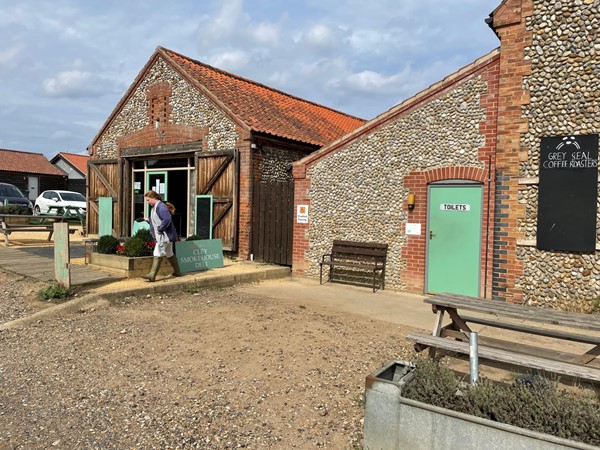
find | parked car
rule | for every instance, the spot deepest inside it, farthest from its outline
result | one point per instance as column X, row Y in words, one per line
column 61, row 199
column 11, row 195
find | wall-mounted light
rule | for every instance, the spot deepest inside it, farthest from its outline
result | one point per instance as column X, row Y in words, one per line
column 411, row 202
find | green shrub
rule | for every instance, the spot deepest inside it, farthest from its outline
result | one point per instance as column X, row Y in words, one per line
column 193, row 237
column 17, row 210
column 54, row 291
column 534, row 403
column 107, row 244
column 144, row 234
column 135, row 247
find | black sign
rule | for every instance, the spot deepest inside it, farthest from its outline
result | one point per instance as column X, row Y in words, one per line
column 204, row 216
column 568, row 192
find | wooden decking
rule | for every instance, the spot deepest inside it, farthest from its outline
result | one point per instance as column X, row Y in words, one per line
column 42, row 268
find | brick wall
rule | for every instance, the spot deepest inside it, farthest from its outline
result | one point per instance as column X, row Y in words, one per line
column 300, row 249
column 509, row 23
column 159, row 128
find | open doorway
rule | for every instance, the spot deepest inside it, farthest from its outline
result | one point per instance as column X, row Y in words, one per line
column 170, row 178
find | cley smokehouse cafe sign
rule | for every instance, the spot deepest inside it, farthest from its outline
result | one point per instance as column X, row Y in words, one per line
column 568, row 193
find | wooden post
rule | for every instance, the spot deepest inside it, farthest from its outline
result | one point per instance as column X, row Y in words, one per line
column 62, row 271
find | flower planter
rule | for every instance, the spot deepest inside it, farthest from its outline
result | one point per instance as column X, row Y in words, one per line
column 394, row 422
column 127, row 266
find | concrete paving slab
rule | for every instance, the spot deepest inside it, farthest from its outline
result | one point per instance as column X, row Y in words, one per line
column 390, row 306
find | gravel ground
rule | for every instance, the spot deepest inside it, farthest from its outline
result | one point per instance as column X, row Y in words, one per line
column 18, row 297
column 209, row 369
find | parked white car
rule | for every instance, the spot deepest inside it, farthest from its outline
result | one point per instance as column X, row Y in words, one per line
column 54, row 202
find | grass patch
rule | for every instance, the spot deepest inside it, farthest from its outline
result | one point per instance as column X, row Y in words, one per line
column 55, row 291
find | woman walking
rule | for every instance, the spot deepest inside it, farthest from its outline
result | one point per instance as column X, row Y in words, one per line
column 164, row 233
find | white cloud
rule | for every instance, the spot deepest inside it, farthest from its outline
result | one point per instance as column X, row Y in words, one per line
column 60, row 134
column 224, row 24
column 93, row 124
column 356, row 56
column 318, row 35
column 369, row 81
column 279, row 78
column 230, row 60
column 265, row 33
column 74, row 84
column 8, row 56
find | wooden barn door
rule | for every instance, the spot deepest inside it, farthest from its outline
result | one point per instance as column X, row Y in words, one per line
column 273, row 222
column 218, row 176
column 104, row 180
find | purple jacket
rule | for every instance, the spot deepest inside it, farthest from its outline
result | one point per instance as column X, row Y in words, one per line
column 166, row 222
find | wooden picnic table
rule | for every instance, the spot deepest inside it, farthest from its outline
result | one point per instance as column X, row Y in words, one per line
column 10, row 223
column 560, row 325
column 69, row 212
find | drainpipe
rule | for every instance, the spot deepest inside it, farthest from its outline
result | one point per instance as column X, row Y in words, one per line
column 487, row 228
column 253, row 147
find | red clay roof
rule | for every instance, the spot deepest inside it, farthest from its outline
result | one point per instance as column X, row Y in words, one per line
column 267, row 110
column 26, row 162
column 78, row 161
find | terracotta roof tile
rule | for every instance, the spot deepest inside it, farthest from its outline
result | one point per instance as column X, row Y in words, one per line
column 26, row 162
column 268, row 110
column 78, row 161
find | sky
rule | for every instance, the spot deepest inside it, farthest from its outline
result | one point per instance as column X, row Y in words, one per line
column 65, row 64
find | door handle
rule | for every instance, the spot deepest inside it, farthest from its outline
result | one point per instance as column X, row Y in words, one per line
column 431, row 235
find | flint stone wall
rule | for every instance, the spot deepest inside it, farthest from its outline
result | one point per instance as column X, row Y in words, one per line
column 357, row 193
column 564, row 90
column 274, row 163
column 189, row 107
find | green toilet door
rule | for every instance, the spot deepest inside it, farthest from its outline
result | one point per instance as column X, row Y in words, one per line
column 454, row 239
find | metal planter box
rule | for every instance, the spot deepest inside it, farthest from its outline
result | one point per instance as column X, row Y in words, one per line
column 393, row 422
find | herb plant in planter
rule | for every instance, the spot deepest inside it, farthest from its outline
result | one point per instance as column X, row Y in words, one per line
column 427, row 406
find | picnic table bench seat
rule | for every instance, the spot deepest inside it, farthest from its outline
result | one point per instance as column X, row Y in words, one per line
column 560, row 325
column 509, row 357
column 369, row 256
column 40, row 224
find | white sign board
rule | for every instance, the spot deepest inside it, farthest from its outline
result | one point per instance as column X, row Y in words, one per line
column 302, row 214
column 413, row 229
column 454, row 207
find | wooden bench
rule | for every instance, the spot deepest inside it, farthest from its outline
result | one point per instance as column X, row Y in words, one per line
column 561, row 326
column 34, row 224
column 369, row 256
